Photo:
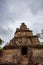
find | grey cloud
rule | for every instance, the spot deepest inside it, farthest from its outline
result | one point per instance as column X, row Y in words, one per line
column 6, row 33
column 12, row 11
column 36, row 5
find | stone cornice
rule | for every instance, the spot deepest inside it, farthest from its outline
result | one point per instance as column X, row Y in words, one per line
column 26, row 37
column 11, row 47
column 38, row 46
column 23, row 31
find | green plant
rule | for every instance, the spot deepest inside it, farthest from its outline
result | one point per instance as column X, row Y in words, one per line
column 0, row 49
column 1, row 41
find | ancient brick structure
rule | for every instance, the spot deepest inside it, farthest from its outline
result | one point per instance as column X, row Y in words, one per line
column 24, row 48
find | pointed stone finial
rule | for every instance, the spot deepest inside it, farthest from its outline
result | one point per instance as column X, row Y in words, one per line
column 23, row 26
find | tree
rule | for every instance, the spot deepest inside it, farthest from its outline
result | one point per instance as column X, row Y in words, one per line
column 0, row 49
column 42, row 31
column 1, row 41
column 38, row 35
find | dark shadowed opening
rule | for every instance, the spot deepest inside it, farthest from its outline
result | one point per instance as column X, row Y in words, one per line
column 24, row 50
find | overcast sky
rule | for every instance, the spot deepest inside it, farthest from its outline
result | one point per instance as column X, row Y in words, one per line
column 14, row 12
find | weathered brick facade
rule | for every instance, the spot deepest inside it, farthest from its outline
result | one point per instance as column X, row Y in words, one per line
column 24, row 48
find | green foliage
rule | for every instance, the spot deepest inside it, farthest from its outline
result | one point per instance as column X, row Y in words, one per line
column 38, row 35
column 1, row 41
column 41, row 43
column 0, row 49
column 42, row 31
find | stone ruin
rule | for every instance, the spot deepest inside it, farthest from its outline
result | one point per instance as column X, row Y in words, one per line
column 24, row 48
